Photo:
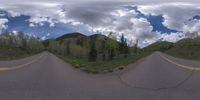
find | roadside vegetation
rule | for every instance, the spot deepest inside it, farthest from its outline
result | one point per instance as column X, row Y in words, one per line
column 103, row 54
column 96, row 53
column 161, row 46
column 187, row 49
column 102, row 66
column 18, row 45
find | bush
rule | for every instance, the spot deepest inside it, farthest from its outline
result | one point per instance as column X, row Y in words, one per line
column 121, row 68
column 77, row 66
column 110, row 70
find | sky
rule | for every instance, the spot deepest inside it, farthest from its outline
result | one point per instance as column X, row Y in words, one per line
column 148, row 21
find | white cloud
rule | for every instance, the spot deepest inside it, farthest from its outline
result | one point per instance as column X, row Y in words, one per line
column 15, row 32
column 13, row 13
column 110, row 16
column 172, row 37
column 176, row 15
column 31, row 25
column 125, row 22
column 116, row 19
column 46, row 36
column 3, row 22
column 43, row 38
column 40, row 12
column 35, row 21
column 192, row 26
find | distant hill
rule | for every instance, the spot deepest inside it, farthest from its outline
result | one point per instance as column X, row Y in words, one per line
column 186, row 48
column 159, row 46
column 99, row 36
column 75, row 35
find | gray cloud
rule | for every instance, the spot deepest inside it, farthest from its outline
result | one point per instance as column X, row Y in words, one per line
column 176, row 15
column 83, row 1
column 94, row 14
column 110, row 15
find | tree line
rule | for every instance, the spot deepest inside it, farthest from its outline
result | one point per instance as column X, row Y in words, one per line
column 93, row 49
column 30, row 44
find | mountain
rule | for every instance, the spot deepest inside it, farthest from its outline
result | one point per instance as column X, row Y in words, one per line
column 100, row 36
column 186, row 48
column 159, row 46
column 75, row 35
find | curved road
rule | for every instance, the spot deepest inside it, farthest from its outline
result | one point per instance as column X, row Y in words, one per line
column 46, row 77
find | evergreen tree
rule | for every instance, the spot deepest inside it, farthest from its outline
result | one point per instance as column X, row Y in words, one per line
column 121, row 45
column 79, row 42
column 24, row 43
column 93, row 51
column 68, row 47
column 103, row 47
column 23, row 40
column 112, row 53
column 111, row 48
column 136, row 47
column 126, row 48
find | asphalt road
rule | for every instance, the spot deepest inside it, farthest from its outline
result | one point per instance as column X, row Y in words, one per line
column 46, row 77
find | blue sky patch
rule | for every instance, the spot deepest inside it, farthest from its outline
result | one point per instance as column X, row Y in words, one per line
column 155, row 21
column 196, row 17
column 21, row 23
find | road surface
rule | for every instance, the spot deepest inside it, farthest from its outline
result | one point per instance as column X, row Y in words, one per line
column 46, row 77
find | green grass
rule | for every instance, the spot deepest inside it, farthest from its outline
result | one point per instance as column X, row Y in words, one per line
column 11, row 53
column 101, row 66
column 159, row 46
column 186, row 49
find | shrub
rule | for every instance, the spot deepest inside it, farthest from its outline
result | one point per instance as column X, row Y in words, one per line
column 110, row 70
column 77, row 66
column 121, row 68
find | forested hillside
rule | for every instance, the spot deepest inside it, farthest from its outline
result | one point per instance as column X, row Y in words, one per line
column 18, row 45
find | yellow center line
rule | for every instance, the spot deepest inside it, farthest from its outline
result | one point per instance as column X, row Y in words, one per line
column 180, row 65
column 19, row 66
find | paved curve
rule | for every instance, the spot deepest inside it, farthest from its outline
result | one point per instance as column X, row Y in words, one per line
column 49, row 78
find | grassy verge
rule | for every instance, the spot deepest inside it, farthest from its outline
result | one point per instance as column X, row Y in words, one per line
column 186, row 49
column 11, row 53
column 185, row 52
column 102, row 66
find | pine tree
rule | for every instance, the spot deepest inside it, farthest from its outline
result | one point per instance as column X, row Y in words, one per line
column 79, row 42
column 121, row 45
column 68, row 47
column 112, row 53
column 93, row 51
column 103, row 47
column 136, row 47
column 126, row 48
